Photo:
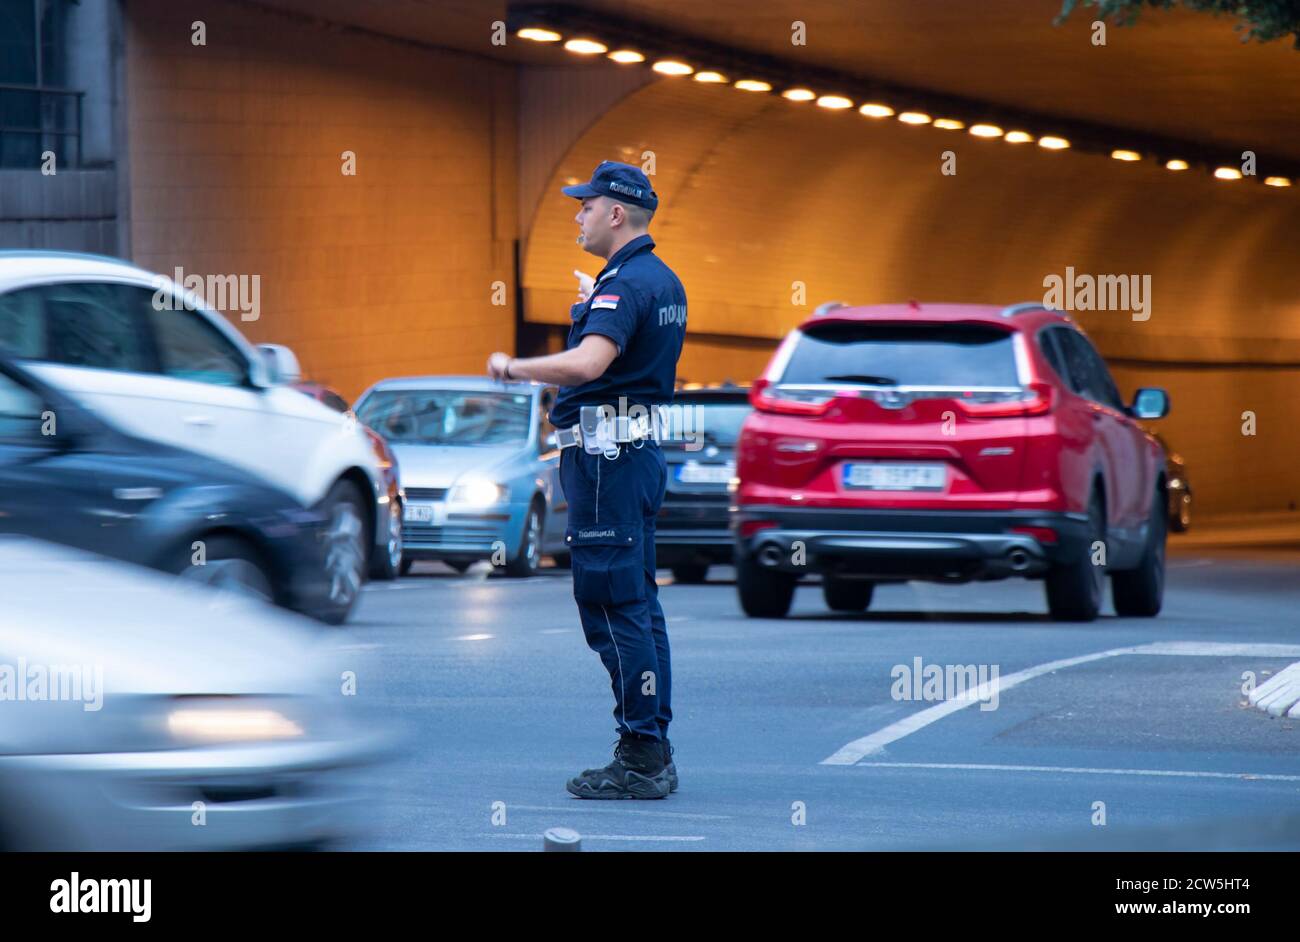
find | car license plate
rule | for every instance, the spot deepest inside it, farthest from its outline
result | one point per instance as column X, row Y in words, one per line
column 894, row 476
column 692, row 473
column 433, row 514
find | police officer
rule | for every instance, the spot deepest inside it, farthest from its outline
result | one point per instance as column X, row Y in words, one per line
column 622, row 350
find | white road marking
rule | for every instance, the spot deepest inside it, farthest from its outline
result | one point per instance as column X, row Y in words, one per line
column 472, row 637
column 1166, row 773
column 609, row 837
column 557, row 631
column 1279, row 693
column 859, row 749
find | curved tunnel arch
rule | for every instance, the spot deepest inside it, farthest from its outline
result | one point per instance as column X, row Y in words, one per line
column 757, row 193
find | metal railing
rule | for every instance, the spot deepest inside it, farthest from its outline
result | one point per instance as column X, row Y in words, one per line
column 38, row 118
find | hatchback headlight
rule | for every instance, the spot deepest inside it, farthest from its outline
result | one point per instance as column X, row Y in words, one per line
column 478, row 492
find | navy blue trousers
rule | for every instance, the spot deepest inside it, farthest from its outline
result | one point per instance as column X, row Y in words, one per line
column 611, row 536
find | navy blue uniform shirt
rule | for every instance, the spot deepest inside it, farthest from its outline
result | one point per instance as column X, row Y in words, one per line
column 639, row 304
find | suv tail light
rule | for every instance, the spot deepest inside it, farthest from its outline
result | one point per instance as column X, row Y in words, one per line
column 766, row 397
column 1035, row 399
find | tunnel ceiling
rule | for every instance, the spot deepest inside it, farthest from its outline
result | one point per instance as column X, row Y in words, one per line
column 1176, row 73
column 761, row 196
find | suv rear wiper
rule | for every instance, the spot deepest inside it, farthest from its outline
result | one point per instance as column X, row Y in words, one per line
column 864, row 378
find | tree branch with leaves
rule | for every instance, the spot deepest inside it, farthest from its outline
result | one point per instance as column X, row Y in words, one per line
column 1260, row 20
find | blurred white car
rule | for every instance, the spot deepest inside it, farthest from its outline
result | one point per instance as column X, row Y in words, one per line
column 139, row 712
column 155, row 361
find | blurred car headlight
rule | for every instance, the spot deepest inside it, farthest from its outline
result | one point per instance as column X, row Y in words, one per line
column 203, row 721
column 478, row 492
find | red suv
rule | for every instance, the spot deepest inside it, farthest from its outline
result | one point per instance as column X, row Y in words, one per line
column 948, row 443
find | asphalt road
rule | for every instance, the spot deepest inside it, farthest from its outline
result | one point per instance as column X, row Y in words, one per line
column 501, row 701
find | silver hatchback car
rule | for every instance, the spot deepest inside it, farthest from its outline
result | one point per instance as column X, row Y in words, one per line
column 479, row 466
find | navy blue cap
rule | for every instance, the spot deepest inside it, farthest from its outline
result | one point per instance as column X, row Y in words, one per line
column 622, row 182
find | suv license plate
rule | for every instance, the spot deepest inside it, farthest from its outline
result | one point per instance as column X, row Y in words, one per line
column 892, row 476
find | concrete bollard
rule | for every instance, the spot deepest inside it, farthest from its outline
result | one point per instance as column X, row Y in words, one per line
column 561, row 840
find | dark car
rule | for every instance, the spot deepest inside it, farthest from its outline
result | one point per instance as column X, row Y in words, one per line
column 71, row 478
column 1179, row 487
column 386, row 560
column 693, row 531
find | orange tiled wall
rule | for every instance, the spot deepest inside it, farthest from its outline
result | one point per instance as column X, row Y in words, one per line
column 235, row 168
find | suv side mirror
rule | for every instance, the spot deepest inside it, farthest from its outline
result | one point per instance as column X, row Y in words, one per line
column 1149, row 402
column 281, row 363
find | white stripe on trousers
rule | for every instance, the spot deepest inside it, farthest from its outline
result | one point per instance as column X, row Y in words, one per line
column 622, row 692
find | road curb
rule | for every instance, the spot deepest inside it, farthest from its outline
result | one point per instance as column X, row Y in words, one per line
column 1280, row 694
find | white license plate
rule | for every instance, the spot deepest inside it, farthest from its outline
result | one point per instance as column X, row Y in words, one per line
column 706, row 473
column 424, row 513
column 894, row 476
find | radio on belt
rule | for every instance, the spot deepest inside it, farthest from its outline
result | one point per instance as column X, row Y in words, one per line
column 603, row 431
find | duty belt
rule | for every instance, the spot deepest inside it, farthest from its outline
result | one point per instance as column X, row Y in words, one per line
column 606, row 434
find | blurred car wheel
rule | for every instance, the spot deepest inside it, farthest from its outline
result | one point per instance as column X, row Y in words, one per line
column 232, row 565
column 388, row 562
column 345, row 550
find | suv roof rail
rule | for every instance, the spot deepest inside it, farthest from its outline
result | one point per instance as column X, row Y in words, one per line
column 1023, row 306
column 827, row 307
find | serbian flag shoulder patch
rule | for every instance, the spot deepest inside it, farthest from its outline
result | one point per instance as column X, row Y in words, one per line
column 604, row 302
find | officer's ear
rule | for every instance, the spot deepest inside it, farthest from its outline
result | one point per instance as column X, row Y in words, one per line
column 617, row 214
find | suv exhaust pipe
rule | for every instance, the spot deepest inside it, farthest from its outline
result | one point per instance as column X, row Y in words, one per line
column 1018, row 559
column 770, row 555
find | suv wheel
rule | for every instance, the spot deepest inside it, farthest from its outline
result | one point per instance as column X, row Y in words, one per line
column 1140, row 591
column 763, row 593
column 1074, row 589
column 847, row 595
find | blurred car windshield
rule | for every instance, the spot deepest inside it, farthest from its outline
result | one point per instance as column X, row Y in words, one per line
column 447, row 416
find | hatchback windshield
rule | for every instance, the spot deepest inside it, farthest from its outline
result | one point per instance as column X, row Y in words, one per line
column 447, row 416
column 718, row 419
column 903, row 355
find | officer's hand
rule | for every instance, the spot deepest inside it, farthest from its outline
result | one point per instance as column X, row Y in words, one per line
column 496, row 365
column 585, row 284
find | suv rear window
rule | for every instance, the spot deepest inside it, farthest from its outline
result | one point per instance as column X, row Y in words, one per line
column 903, row 355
